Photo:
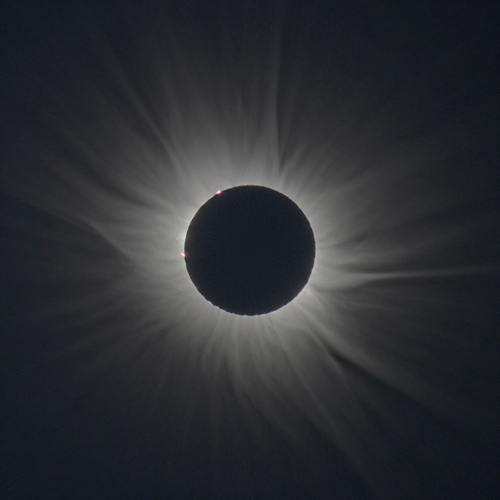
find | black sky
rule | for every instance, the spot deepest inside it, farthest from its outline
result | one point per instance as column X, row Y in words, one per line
column 404, row 97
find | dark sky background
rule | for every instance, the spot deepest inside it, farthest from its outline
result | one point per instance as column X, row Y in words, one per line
column 391, row 108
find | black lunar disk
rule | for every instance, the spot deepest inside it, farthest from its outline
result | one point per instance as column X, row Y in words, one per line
column 249, row 250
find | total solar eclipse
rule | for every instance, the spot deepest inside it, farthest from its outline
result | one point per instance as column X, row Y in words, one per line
column 249, row 250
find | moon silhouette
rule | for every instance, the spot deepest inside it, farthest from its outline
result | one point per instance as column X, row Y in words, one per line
column 249, row 250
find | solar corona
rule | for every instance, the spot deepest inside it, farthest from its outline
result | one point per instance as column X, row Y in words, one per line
column 249, row 250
